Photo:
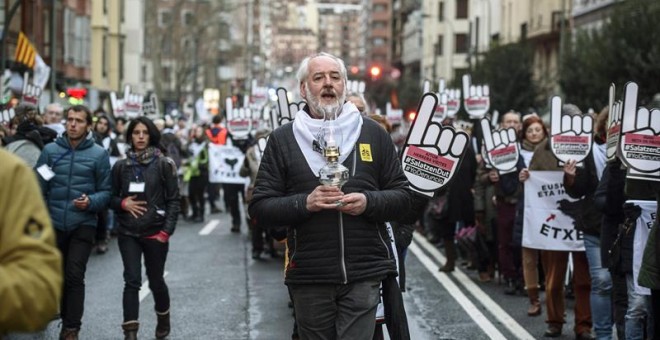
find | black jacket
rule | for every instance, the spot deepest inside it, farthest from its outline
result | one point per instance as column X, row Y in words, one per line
column 609, row 198
column 585, row 183
column 161, row 194
column 327, row 246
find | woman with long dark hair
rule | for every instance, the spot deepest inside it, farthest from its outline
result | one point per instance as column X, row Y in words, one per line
column 145, row 196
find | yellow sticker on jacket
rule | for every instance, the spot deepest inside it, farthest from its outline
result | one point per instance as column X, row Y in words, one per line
column 365, row 153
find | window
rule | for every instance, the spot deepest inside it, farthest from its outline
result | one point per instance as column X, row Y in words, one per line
column 165, row 74
column 167, row 47
column 121, row 61
column 461, row 43
column 380, row 8
column 378, row 24
column 104, row 56
column 188, row 18
column 438, row 45
column 523, row 31
column 461, row 9
column 379, row 42
column 441, row 11
column 165, row 18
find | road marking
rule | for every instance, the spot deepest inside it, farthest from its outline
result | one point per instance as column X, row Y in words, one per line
column 479, row 318
column 500, row 314
column 208, row 228
column 144, row 290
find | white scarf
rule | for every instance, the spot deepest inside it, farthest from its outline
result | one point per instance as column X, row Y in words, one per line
column 600, row 157
column 306, row 130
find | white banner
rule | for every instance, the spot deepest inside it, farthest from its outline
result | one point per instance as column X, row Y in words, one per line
column 642, row 229
column 225, row 161
column 547, row 222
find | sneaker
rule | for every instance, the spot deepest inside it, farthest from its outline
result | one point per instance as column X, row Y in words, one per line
column 215, row 210
column 256, row 254
column 236, row 228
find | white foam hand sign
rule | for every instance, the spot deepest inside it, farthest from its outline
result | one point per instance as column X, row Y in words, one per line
column 31, row 92
column 426, row 86
column 132, row 103
column 150, row 107
column 441, row 108
column 286, row 112
column 476, row 98
column 260, row 147
column 502, row 150
column 432, row 153
column 6, row 114
column 453, row 102
column 640, row 135
column 613, row 124
column 239, row 121
column 570, row 135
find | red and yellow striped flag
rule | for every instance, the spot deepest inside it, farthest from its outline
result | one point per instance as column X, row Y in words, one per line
column 25, row 51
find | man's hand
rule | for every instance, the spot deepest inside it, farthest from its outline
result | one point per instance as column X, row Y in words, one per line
column 476, row 98
column 324, row 197
column 502, row 150
column 81, row 202
column 570, row 135
column 524, row 175
column 133, row 206
column 432, row 153
column 570, row 170
column 353, row 204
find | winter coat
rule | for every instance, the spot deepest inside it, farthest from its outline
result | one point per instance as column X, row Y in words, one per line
column 584, row 185
column 609, row 198
column 649, row 273
column 161, row 194
column 329, row 247
column 28, row 141
column 30, row 263
column 83, row 170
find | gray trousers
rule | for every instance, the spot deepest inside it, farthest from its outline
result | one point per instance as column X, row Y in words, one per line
column 329, row 312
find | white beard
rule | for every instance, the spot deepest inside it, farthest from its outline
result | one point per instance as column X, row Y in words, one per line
column 327, row 110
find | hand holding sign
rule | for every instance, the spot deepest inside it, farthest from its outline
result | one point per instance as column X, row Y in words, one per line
column 31, row 92
column 432, row 153
column 476, row 98
column 571, row 134
column 640, row 129
column 502, row 150
column 239, row 122
column 286, row 112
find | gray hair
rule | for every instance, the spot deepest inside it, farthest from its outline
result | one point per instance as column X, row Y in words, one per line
column 303, row 70
column 570, row 109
